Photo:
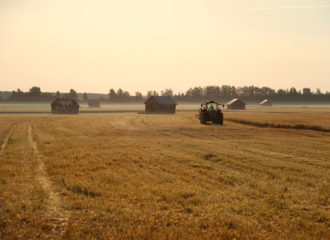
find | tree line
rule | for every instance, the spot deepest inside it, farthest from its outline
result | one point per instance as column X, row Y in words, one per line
column 253, row 94
column 36, row 95
column 197, row 94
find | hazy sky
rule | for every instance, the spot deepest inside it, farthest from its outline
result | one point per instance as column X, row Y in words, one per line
column 95, row 45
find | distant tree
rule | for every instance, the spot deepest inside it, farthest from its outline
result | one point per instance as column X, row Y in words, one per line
column 35, row 91
column 258, row 92
column 293, row 91
column 281, row 92
column 267, row 92
column 125, row 94
column 152, row 93
column 34, row 95
column 195, row 94
column 307, row 91
column 58, row 94
column 138, row 95
column 226, row 91
column 19, row 95
column 120, row 92
column 212, row 92
column 112, row 94
column 72, row 95
column 167, row 92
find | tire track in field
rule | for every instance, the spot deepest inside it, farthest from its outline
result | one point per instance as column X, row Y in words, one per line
column 56, row 213
column 5, row 142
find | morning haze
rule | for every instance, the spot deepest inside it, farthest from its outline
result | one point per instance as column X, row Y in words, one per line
column 143, row 45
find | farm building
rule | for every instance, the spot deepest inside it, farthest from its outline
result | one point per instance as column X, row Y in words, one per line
column 65, row 105
column 93, row 103
column 236, row 104
column 266, row 102
column 160, row 104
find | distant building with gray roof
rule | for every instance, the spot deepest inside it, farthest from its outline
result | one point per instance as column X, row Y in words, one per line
column 236, row 104
column 160, row 104
column 266, row 102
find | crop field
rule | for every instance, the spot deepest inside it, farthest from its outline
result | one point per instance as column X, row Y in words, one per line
column 264, row 174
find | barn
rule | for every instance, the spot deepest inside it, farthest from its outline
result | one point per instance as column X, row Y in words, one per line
column 236, row 104
column 93, row 103
column 160, row 104
column 65, row 105
column 266, row 103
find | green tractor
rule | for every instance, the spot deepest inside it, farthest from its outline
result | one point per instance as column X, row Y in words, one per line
column 210, row 112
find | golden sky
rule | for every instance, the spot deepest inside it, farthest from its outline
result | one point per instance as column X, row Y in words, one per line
column 95, row 45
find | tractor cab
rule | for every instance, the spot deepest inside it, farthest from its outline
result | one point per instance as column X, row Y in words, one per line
column 210, row 106
column 210, row 111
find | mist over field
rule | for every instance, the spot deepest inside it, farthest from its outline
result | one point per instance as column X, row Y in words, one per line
column 222, row 94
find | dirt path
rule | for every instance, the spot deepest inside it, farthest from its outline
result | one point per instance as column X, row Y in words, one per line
column 56, row 213
column 5, row 142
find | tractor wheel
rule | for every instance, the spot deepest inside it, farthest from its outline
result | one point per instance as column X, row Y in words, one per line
column 220, row 119
column 202, row 118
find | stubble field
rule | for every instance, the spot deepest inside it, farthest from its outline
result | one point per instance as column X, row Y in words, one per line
column 138, row 176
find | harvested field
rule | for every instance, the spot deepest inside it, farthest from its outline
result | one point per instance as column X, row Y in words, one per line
column 138, row 176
